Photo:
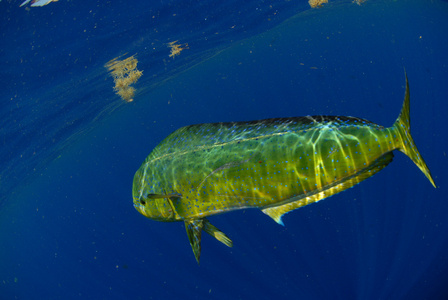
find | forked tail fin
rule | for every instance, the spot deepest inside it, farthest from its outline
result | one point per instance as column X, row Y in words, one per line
column 403, row 126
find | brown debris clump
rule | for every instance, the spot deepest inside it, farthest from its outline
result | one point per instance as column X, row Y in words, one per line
column 317, row 3
column 124, row 73
column 176, row 48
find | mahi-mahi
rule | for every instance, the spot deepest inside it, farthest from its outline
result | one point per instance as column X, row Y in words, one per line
column 275, row 165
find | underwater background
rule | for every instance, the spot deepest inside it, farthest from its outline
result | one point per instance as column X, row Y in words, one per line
column 70, row 146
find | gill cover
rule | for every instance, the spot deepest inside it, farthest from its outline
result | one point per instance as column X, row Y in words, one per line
column 158, row 207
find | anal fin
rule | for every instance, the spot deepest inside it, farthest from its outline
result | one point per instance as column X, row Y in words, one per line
column 277, row 212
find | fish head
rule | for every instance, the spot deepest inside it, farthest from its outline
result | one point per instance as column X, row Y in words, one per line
column 152, row 204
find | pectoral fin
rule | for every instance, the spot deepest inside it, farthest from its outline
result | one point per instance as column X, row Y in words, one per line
column 194, row 232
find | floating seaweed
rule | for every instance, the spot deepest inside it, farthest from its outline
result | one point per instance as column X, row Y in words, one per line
column 177, row 48
column 317, row 3
column 124, row 72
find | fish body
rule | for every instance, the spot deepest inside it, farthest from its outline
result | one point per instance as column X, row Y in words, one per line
column 275, row 165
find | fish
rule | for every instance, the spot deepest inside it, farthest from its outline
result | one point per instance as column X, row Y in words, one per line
column 275, row 165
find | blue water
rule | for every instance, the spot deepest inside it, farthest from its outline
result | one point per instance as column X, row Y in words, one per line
column 70, row 147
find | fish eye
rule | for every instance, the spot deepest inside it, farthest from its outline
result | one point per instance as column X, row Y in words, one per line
column 142, row 201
